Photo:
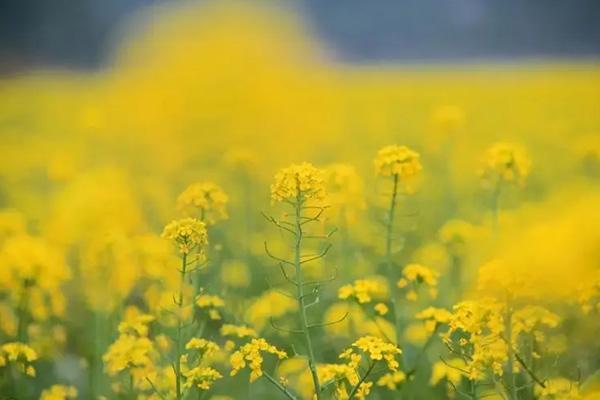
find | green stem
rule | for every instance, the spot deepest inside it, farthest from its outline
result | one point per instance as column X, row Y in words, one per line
column 300, row 294
column 496, row 205
column 388, row 258
column 178, row 348
column 510, row 375
column 279, row 386
column 473, row 390
column 22, row 315
column 355, row 389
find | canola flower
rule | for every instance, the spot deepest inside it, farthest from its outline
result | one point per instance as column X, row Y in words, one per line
column 415, row 275
column 188, row 233
column 240, row 331
column 250, row 355
column 399, row 162
column 59, row 392
column 364, row 290
column 505, row 162
column 212, row 304
column 205, row 201
column 298, row 182
column 20, row 355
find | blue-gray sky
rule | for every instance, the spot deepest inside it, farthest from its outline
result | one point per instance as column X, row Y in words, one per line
column 78, row 33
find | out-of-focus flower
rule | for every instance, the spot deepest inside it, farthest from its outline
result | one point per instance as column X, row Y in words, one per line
column 505, row 162
column 205, row 201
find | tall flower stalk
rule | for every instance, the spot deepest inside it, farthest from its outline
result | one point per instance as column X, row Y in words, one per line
column 402, row 165
column 301, row 186
column 189, row 234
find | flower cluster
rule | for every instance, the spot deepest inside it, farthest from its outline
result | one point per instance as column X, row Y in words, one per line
column 132, row 350
column 205, row 347
column 505, row 162
column 478, row 328
column 212, row 304
column 31, row 274
column 434, row 317
column 298, row 181
column 188, row 233
column 375, row 349
column 364, row 290
column 19, row 354
column 201, row 377
column 340, row 375
column 194, row 369
column 415, row 275
column 59, row 392
column 203, row 200
column 450, row 370
column 531, row 319
column 251, row 354
column 344, row 189
column 560, row 388
column 240, row 331
column 391, row 380
column 399, row 161
column 455, row 235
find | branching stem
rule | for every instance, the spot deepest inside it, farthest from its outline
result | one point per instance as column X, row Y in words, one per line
column 300, row 293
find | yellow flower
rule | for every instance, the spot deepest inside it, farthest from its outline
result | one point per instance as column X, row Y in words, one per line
column 206, row 347
column 135, row 323
column 59, row 392
column 239, row 331
column 250, row 354
column 201, row 377
column 364, row 290
column 188, row 233
column 398, row 161
column 270, row 304
column 559, row 388
column 363, row 390
column 415, row 275
column 344, row 190
column 209, row 301
column 450, row 370
column 482, row 324
column 20, row 354
column 298, row 181
column 381, row 308
column 376, row 349
column 434, row 316
column 211, row 304
column 505, row 162
column 128, row 351
column 204, row 200
column 392, row 379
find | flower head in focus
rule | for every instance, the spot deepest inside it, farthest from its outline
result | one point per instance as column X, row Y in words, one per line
column 303, row 181
column 251, row 354
column 188, row 233
column 398, row 161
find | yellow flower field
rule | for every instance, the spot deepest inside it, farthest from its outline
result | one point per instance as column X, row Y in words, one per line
column 226, row 213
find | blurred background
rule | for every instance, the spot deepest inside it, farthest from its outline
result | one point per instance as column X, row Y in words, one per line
column 82, row 34
column 110, row 109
